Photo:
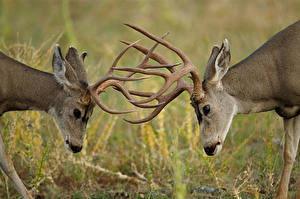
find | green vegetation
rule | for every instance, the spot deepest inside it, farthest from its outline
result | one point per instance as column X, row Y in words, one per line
column 165, row 153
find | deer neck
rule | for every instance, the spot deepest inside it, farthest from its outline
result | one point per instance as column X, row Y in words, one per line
column 41, row 95
column 252, row 83
column 269, row 78
column 25, row 88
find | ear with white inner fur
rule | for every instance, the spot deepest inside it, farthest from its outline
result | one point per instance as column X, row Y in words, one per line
column 63, row 72
column 83, row 55
column 76, row 63
column 218, row 63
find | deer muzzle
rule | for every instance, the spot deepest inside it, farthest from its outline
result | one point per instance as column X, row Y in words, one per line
column 75, row 147
column 212, row 149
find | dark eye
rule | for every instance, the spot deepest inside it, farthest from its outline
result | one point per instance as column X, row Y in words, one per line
column 77, row 113
column 206, row 109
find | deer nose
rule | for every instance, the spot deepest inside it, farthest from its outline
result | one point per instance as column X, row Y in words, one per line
column 211, row 149
column 75, row 148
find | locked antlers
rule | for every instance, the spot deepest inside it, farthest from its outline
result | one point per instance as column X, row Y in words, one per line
column 175, row 75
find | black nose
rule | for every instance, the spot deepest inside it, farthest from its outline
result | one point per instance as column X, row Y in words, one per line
column 209, row 150
column 75, row 148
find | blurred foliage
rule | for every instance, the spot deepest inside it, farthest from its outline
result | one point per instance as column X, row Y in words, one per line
column 166, row 151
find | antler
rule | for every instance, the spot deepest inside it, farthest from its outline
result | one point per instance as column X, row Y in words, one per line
column 175, row 76
column 110, row 79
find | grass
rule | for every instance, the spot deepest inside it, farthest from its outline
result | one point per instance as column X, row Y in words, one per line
column 160, row 159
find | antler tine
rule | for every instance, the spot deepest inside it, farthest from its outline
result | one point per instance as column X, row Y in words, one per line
column 146, row 58
column 184, row 58
column 145, row 51
column 152, row 49
column 149, row 66
column 143, row 71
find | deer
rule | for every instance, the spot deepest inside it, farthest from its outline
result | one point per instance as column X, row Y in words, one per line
column 66, row 95
column 266, row 80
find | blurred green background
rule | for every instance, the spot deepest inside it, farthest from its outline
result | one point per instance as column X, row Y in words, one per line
column 166, row 152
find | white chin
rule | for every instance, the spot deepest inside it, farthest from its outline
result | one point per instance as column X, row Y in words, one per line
column 67, row 147
column 218, row 149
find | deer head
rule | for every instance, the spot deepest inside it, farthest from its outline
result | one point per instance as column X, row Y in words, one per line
column 213, row 106
column 74, row 104
column 216, row 109
column 74, row 108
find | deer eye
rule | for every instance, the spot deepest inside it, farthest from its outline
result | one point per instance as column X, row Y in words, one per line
column 77, row 113
column 206, row 109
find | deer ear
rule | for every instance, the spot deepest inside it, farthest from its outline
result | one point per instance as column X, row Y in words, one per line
column 63, row 72
column 77, row 63
column 218, row 63
column 83, row 55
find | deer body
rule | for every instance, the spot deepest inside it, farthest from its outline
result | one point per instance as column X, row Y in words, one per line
column 269, row 78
